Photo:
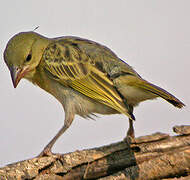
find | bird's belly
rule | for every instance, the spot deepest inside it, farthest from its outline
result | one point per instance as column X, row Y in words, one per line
column 135, row 95
column 86, row 106
column 81, row 104
column 73, row 101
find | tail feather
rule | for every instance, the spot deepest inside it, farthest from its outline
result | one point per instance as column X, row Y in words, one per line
column 143, row 86
column 161, row 93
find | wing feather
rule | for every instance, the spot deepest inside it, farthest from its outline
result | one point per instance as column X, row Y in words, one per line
column 82, row 75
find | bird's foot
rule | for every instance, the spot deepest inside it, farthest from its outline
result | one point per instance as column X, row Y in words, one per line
column 129, row 139
column 145, row 139
column 48, row 153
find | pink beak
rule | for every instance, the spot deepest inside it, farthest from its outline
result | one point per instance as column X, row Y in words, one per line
column 17, row 74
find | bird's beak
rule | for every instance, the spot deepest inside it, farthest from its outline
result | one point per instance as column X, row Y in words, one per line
column 17, row 74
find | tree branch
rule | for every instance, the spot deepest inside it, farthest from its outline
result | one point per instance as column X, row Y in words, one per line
column 156, row 156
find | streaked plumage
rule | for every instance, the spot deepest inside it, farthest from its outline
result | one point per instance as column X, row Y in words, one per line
column 83, row 75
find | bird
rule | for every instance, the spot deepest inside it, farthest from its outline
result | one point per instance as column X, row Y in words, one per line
column 87, row 78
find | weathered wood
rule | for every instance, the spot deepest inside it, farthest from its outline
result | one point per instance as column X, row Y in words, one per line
column 156, row 156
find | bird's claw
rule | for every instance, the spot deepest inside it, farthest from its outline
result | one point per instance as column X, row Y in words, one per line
column 47, row 153
column 129, row 140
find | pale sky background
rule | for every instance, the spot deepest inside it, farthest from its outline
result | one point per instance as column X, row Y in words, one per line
column 152, row 36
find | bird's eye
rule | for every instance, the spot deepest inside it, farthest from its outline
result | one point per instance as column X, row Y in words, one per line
column 28, row 58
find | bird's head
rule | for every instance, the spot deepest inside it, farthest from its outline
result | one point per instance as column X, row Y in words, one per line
column 23, row 54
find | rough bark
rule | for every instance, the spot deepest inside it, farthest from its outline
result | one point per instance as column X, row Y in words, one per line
column 156, row 156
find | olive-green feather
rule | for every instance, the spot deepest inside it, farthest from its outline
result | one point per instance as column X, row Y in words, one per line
column 77, row 70
column 143, row 84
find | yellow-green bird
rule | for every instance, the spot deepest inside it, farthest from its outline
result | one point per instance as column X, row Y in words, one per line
column 84, row 76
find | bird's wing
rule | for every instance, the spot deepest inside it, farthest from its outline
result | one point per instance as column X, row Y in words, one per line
column 74, row 68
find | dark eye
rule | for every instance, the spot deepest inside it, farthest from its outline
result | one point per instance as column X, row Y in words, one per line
column 28, row 58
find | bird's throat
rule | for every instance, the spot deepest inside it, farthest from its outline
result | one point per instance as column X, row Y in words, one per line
column 30, row 75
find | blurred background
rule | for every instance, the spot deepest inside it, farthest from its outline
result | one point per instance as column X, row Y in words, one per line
column 151, row 36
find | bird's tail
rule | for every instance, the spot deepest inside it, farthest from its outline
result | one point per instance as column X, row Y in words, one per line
column 160, row 92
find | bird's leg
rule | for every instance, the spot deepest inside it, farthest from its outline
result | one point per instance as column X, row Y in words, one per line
column 47, row 150
column 130, row 133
